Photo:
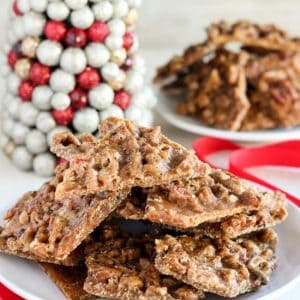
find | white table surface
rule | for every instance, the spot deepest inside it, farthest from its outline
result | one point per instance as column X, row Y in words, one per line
column 165, row 28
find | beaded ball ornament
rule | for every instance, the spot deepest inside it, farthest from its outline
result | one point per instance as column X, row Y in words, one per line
column 69, row 64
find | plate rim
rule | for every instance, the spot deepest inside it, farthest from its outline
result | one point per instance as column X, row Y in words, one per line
column 18, row 290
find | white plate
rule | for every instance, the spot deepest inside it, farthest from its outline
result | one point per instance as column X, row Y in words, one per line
column 27, row 280
column 166, row 107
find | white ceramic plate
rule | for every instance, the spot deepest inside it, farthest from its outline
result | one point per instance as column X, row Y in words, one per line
column 166, row 107
column 26, row 279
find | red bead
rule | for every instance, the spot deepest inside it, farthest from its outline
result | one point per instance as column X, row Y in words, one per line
column 78, row 99
column 122, row 99
column 127, row 64
column 25, row 90
column 128, row 40
column 39, row 74
column 76, row 37
column 55, row 30
column 16, row 8
column 89, row 78
column 63, row 117
column 98, row 32
column 12, row 58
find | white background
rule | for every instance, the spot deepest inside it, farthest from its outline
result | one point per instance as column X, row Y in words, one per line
column 166, row 27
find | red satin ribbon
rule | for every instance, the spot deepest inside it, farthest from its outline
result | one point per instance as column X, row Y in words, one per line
column 6, row 294
column 285, row 154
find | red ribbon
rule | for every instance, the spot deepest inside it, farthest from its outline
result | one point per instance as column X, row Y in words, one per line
column 6, row 294
column 280, row 154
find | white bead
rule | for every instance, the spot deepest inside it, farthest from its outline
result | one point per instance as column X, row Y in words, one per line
column 6, row 48
column 135, row 82
column 76, row 4
column 134, row 113
column 23, row 6
column 11, row 37
column 134, row 3
column 36, row 142
column 103, row 11
column 49, row 52
column 82, row 18
column 114, row 41
column 144, row 98
column 34, row 23
column 101, row 96
column 28, row 114
column 110, row 71
column 18, row 27
column 117, row 26
column 13, row 83
column 60, row 101
column 147, row 118
column 58, row 11
column 73, row 60
column 38, row 5
column 150, row 97
column 5, row 70
column 7, row 126
column 111, row 111
column 63, row 82
column 6, row 100
column 3, row 58
column 41, row 97
column 139, row 64
column 120, row 8
column 53, row 132
column 3, row 140
column 97, row 55
column 139, row 100
column 19, row 133
column 13, row 107
column 44, row 164
column 45, row 122
column 22, row 158
column 86, row 120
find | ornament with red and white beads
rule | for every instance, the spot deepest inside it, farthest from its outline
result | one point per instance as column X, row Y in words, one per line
column 69, row 65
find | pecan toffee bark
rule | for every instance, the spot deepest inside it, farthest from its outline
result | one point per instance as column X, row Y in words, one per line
column 241, row 224
column 219, row 99
column 46, row 229
column 121, row 267
column 70, row 280
column 124, row 157
column 254, row 85
column 10, row 246
column 269, row 36
column 177, row 64
column 187, row 204
column 224, row 267
column 275, row 77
